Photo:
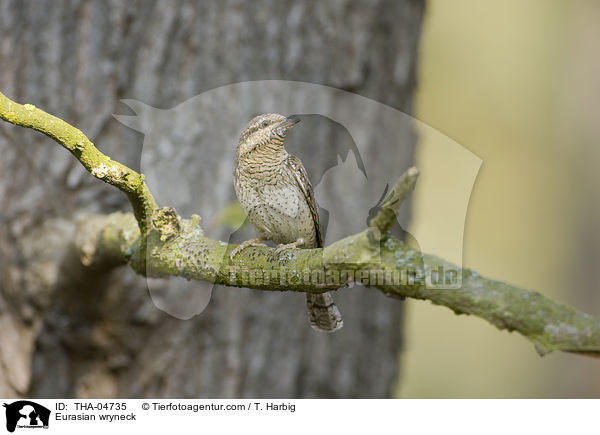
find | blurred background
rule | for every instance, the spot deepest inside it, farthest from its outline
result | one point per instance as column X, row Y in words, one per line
column 72, row 331
column 518, row 84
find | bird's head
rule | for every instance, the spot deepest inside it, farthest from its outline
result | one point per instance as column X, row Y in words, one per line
column 265, row 128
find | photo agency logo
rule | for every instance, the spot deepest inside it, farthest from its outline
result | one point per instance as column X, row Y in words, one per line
column 25, row 414
column 353, row 148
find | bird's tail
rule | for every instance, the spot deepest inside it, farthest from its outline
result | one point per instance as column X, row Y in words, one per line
column 322, row 312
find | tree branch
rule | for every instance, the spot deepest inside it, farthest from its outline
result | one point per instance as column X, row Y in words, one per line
column 390, row 207
column 157, row 242
column 99, row 165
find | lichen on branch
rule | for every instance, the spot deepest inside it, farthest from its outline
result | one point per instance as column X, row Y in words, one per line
column 98, row 164
column 157, row 242
column 383, row 265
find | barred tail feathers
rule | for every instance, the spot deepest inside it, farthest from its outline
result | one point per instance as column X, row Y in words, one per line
column 323, row 314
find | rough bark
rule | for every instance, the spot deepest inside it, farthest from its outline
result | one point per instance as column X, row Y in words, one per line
column 70, row 330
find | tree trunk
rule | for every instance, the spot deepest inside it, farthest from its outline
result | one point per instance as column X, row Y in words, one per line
column 68, row 331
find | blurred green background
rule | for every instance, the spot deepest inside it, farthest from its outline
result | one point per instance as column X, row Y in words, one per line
column 518, row 84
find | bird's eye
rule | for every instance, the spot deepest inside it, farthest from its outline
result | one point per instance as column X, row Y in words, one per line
column 265, row 123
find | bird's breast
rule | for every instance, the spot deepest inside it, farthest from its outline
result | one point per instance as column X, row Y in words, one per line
column 283, row 197
column 278, row 212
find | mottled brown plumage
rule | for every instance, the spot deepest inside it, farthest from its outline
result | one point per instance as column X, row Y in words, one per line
column 275, row 192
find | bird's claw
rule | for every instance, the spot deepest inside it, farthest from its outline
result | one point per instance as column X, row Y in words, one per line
column 244, row 245
column 273, row 255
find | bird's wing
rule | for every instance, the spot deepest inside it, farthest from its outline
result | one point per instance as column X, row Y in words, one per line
column 294, row 165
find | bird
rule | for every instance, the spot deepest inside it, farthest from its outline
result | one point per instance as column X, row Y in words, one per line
column 275, row 192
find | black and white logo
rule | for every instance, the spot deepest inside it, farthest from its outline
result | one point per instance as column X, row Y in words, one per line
column 25, row 414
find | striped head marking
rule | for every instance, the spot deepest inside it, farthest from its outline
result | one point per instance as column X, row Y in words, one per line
column 265, row 128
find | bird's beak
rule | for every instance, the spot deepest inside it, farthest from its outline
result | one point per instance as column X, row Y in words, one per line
column 289, row 122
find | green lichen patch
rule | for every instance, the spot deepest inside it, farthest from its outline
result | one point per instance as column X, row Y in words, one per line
column 165, row 220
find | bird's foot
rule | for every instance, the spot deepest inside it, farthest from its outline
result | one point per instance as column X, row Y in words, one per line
column 275, row 254
column 252, row 242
